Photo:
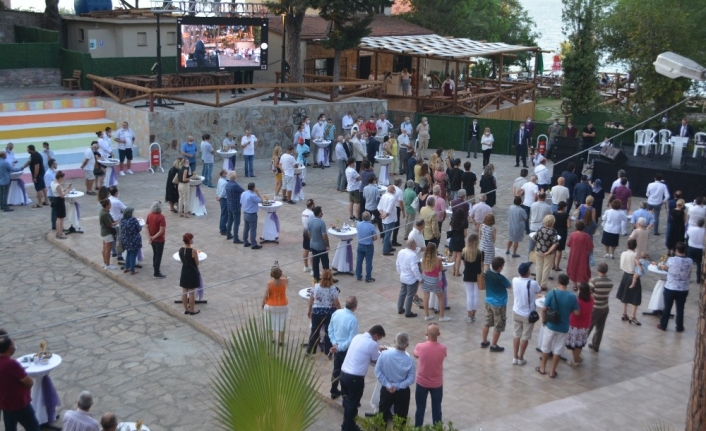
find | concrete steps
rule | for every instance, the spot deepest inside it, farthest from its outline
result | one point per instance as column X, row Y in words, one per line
column 11, row 118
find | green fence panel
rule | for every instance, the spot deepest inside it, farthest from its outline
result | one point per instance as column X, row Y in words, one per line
column 35, row 35
column 446, row 131
column 29, row 55
column 128, row 66
column 74, row 60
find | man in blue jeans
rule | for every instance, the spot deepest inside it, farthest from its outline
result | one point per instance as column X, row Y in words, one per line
column 188, row 150
column 318, row 242
column 15, row 387
column 233, row 195
column 247, row 144
column 430, row 375
column 366, row 235
column 207, row 153
column 388, row 213
column 249, row 200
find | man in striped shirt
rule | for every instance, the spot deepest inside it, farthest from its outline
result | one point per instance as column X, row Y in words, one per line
column 601, row 287
column 80, row 419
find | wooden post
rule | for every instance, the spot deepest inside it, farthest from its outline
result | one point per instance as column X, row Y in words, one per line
column 453, row 110
column 151, row 100
column 375, row 78
column 218, row 98
column 419, row 83
column 357, row 63
column 274, row 98
column 500, row 80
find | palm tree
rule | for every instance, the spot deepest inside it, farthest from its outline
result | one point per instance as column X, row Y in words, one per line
column 263, row 387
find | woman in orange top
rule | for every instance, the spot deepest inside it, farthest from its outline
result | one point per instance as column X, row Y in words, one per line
column 275, row 302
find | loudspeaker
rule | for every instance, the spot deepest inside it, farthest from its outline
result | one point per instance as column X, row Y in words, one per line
column 615, row 155
column 564, row 147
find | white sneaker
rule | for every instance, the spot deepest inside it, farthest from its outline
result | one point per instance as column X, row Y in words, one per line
column 445, row 319
column 111, row 267
column 428, row 317
column 306, row 269
column 312, row 272
column 122, row 174
column 515, row 361
column 130, row 172
column 521, row 361
column 468, row 320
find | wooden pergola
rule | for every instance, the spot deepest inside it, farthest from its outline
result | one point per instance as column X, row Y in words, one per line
column 477, row 94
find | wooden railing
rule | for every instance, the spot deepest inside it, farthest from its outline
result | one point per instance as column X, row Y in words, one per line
column 126, row 92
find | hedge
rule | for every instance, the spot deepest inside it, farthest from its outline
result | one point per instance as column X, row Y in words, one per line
column 29, row 55
column 35, row 35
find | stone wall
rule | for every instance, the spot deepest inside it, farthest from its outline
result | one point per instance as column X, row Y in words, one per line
column 137, row 119
column 10, row 18
column 29, row 77
column 271, row 124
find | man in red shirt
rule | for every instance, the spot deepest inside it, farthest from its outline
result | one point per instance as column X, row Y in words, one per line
column 15, row 385
column 370, row 126
column 430, row 375
column 157, row 226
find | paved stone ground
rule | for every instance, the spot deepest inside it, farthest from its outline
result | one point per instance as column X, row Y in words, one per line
column 640, row 374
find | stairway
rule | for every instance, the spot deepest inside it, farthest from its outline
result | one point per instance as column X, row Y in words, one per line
column 68, row 124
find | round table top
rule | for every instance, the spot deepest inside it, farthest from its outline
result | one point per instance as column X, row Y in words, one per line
column 539, row 302
column 382, row 189
column 202, row 256
column 130, row 426
column 108, row 162
column 322, row 143
column 196, row 180
column 227, row 153
column 351, row 231
column 141, row 221
column 444, row 262
column 33, row 368
column 272, row 206
column 304, row 293
column 384, row 160
column 15, row 175
column 299, row 170
column 532, row 234
column 75, row 194
column 656, row 270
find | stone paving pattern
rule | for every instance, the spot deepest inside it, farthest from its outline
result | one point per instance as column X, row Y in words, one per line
column 145, row 363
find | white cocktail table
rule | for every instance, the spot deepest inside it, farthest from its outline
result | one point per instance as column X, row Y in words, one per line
column 228, row 159
column 111, row 177
column 322, row 155
column 73, row 211
column 342, row 261
column 197, row 201
column 384, row 161
column 18, row 194
column 45, row 399
column 270, row 232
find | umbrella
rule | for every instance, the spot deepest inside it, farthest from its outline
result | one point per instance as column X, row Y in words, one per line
column 540, row 63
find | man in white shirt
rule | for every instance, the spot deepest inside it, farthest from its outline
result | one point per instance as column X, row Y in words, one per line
column 307, row 216
column 529, row 193
column 407, row 127
column 480, row 210
column 544, row 177
column 104, row 147
column 89, row 162
column 403, row 146
column 49, row 177
column 362, row 352
column 353, row 189
column 342, row 161
column 359, row 152
column 80, row 419
column 347, row 122
column 606, row 143
column 388, row 214
column 317, row 132
column 524, row 291
column 616, row 183
column 407, row 265
column 383, row 126
column 559, row 194
column 401, row 213
column 227, row 144
column 695, row 213
column 247, row 144
column 207, row 157
column 657, row 194
column 10, row 155
column 417, row 234
column 306, row 131
column 287, row 163
column 125, row 138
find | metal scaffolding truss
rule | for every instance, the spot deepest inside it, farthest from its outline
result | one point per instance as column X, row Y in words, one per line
column 209, row 8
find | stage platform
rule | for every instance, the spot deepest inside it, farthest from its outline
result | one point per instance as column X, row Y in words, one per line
column 641, row 171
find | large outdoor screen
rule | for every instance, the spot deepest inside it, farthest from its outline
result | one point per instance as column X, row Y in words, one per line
column 210, row 44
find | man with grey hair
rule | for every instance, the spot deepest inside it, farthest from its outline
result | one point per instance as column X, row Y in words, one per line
column 109, row 422
column 395, row 370
column 643, row 212
column 80, row 419
column 156, row 228
column 233, row 194
column 408, row 268
column 6, row 168
column 480, row 210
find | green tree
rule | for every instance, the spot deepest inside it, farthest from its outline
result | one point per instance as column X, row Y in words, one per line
column 52, row 19
column 580, row 63
column 635, row 32
column 293, row 11
column 349, row 22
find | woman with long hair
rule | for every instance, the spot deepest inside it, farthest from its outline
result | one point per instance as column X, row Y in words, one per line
column 440, row 178
column 190, row 278
column 278, row 175
column 171, row 194
column 486, row 143
column 487, row 236
column 472, row 268
column 275, row 303
column 323, row 301
column 104, row 193
column 488, row 186
column 579, row 324
column 425, row 177
column 432, row 281
column 459, row 229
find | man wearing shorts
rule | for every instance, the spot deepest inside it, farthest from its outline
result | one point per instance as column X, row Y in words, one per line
column 125, row 138
column 89, row 162
column 496, row 286
column 554, row 337
column 353, row 188
column 287, row 163
column 524, row 291
column 36, row 168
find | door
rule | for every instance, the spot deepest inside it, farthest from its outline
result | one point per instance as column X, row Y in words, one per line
column 364, row 67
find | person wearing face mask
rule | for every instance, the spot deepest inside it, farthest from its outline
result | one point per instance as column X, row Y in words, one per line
column 571, row 131
column 553, row 131
column 521, row 140
column 306, row 131
column 529, row 126
column 474, row 134
column 403, row 145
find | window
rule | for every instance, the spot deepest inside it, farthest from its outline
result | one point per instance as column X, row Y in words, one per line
column 171, row 38
column 81, row 35
column 141, row 38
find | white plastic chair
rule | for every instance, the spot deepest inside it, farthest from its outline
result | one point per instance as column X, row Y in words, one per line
column 664, row 140
column 698, row 144
column 639, row 141
column 650, row 139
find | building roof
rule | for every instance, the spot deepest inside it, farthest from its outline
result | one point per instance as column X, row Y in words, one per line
column 316, row 28
column 435, row 46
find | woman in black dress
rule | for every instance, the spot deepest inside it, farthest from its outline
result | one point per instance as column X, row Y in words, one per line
column 487, row 185
column 598, row 195
column 562, row 223
column 190, row 276
column 172, row 192
column 459, row 227
column 677, row 231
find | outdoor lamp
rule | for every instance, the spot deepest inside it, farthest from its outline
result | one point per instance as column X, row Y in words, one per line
column 264, row 46
column 674, row 65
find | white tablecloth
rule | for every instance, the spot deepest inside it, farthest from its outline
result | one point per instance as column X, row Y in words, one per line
column 343, row 258
column 270, row 232
column 322, row 156
column 384, row 178
column 657, row 298
column 18, row 195
column 111, row 176
column 39, row 373
column 298, row 193
column 197, row 201
column 228, row 163
column 131, row 426
column 73, row 214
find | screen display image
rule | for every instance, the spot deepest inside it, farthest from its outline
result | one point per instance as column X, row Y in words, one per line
column 222, row 44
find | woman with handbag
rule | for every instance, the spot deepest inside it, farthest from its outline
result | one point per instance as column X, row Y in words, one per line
column 579, row 324
column 323, row 301
column 524, row 313
column 432, row 281
column 472, row 275
column 171, row 193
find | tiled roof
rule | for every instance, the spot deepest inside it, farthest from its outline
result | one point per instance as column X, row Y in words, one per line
column 315, row 27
